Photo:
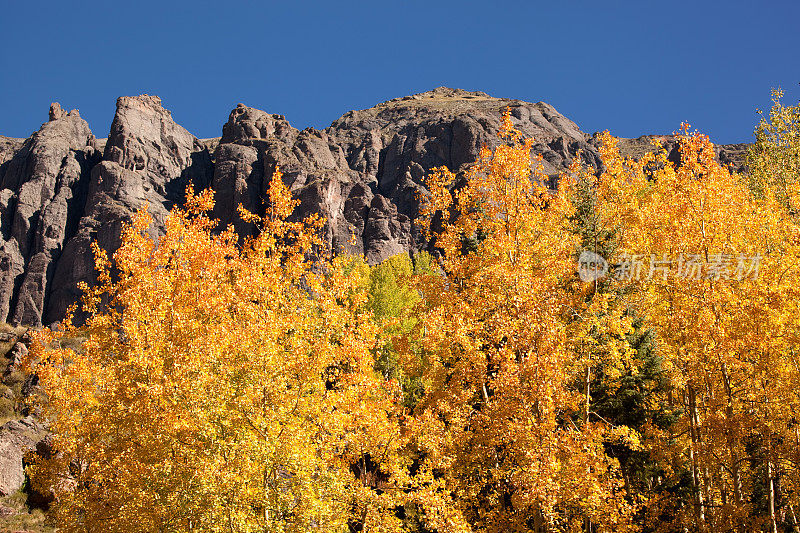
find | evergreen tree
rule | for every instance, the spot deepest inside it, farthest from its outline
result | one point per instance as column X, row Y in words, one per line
column 633, row 395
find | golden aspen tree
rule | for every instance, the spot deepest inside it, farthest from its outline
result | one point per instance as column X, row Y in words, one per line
column 500, row 435
column 773, row 160
column 719, row 284
column 773, row 174
column 247, row 385
column 222, row 387
column 624, row 379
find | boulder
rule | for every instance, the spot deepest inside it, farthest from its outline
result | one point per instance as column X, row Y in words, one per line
column 16, row 439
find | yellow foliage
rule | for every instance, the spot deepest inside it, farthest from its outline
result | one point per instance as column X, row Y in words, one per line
column 229, row 386
column 505, row 448
column 727, row 331
column 221, row 387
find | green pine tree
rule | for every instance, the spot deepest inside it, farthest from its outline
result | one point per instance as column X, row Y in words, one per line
column 637, row 399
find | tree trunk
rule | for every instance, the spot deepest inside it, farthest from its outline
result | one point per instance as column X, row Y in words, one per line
column 793, row 517
column 733, row 441
column 771, row 486
column 588, row 395
column 696, row 483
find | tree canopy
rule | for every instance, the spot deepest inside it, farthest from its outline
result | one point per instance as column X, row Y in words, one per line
column 239, row 385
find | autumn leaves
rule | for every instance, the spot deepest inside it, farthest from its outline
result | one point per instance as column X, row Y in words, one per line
column 259, row 387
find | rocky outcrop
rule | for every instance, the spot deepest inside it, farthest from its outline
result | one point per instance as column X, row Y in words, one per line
column 395, row 144
column 43, row 189
column 148, row 161
column 254, row 144
column 17, row 437
column 63, row 189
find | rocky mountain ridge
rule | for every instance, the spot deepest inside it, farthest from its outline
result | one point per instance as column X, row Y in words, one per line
column 63, row 188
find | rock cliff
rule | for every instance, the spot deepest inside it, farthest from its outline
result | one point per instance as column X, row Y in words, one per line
column 62, row 188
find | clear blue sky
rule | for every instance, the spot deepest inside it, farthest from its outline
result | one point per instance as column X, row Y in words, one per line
column 632, row 67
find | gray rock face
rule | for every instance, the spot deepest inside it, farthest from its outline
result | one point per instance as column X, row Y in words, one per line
column 254, row 144
column 16, row 438
column 42, row 198
column 9, row 146
column 364, row 174
column 148, row 162
column 62, row 189
column 395, row 144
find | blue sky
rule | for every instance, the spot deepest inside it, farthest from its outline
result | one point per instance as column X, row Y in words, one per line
column 630, row 67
